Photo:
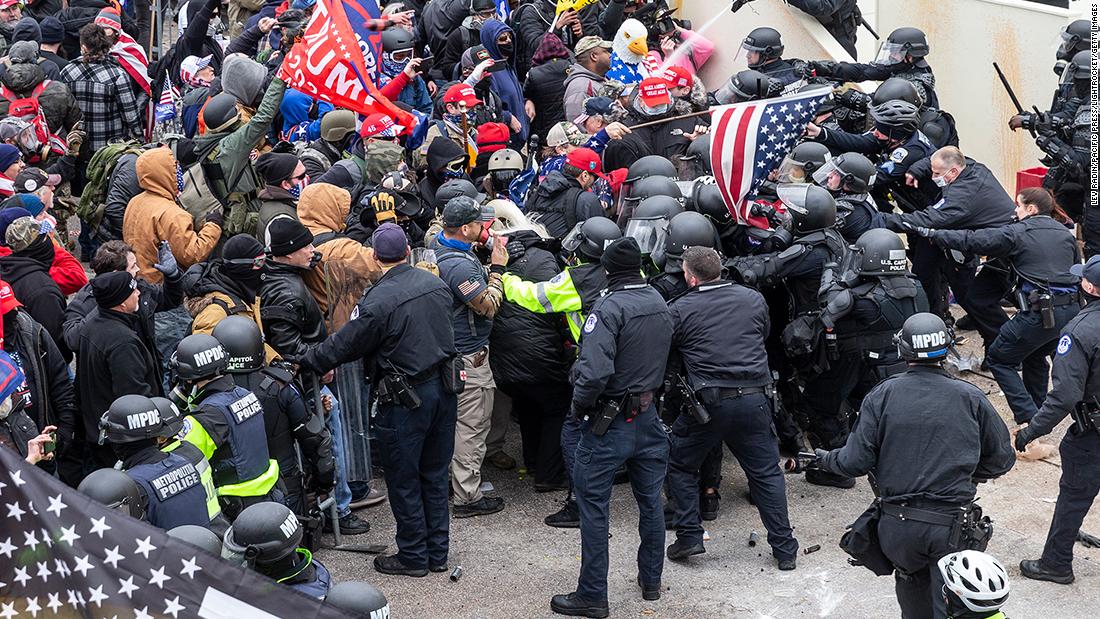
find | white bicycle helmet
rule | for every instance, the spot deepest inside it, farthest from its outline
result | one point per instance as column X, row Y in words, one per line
column 978, row 579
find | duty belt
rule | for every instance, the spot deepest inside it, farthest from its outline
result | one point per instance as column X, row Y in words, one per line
column 902, row 511
column 726, row 393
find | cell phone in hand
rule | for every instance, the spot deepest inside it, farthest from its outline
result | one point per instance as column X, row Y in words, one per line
column 426, row 65
column 48, row 447
column 499, row 65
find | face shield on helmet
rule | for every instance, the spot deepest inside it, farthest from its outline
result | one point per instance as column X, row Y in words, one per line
column 573, row 240
column 793, row 197
column 829, row 176
column 791, row 171
column 237, row 555
column 890, row 54
column 650, row 234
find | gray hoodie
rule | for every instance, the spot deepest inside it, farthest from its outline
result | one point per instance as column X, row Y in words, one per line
column 579, row 85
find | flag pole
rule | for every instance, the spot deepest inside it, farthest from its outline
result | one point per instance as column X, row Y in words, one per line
column 665, row 120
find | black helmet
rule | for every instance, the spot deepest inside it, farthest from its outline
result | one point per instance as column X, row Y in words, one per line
column 896, row 118
column 1079, row 67
column 480, row 6
column 397, row 39
column 220, row 113
column 658, row 207
column 133, row 418
column 262, row 534
column 650, row 165
column 699, row 151
column 337, row 124
column 856, row 172
column 897, row 88
column 589, row 237
column 765, row 40
column 454, row 188
column 1075, row 37
column 811, row 208
column 359, row 598
column 923, row 336
column 243, row 342
column 709, row 202
column 654, row 186
column 800, row 164
column 198, row 356
column 116, row 490
column 198, row 536
column 882, row 251
column 748, row 85
column 902, row 42
column 685, row 230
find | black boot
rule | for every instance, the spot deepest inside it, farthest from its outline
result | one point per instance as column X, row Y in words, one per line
column 680, row 550
column 568, row 517
column 575, row 606
column 818, row 477
column 708, row 505
column 650, row 592
column 1035, row 570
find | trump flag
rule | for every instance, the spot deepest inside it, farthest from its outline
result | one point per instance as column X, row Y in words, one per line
column 750, row 139
column 330, row 63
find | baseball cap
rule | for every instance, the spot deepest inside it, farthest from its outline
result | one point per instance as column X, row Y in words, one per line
column 565, row 133
column 389, row 242
column 191, row 66
column 22, row 232
column 379, row 125
column 589, row 43
column 459, row 211
column 586, row 159
column 7, row 4
column 653, row 92
column 461, row 93
column 1090, row 270
column 678, row 77
column 33, row 179
column 594, row 106
column 8, row 302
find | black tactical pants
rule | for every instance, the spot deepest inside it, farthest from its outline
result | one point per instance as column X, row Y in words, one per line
column 914, row 548
column 977, row 293
column 847, row 381
column 1077, row 489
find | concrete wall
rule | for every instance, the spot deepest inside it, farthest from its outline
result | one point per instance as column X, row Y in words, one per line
column 966, row 36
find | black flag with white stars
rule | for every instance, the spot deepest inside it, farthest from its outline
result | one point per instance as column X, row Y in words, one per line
column 64, row 555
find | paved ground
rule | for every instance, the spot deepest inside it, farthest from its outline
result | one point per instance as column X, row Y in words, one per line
column 513, row 563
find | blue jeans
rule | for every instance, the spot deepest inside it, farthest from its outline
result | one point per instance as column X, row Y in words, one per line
column 745, row 425
column 341, row 492
column 1024, row 341
column 641, row 444
column 417, row 446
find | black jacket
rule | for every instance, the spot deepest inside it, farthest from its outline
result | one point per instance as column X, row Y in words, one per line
column 975, row 200
column 51, row 394
column 323, row 149
column 16, row 431
column 437, row 20
column 292, row 320
column 560, row 202
column 525, row 347
column 1075, row 375
column 532, row 20
column 121, row 188
column 545, row 87
column 113, row 362
column 961, row 438
column 1040, row 249
column 154, row 298
column 919, row 74
column 654, row 140
column 840, row 18
column 30, row 281
column 79, row 14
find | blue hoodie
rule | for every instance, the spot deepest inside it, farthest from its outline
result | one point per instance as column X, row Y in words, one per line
column 297, row 127
column 505, row 83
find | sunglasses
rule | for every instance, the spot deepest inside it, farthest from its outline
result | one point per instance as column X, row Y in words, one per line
column 255, row 263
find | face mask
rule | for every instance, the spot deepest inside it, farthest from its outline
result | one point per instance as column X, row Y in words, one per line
column 393, row 67
column 940, row 181
column 506, row 50
column 296, row 190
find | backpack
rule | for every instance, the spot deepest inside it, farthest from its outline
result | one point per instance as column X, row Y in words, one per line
column 29, row 110
column 93, row 201
column 199, row 196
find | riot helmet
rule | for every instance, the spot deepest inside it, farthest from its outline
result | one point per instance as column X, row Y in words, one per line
column 359, row 598
column 198, row 356
column 457, row 187
column 897, row 88
column 881, row 253
column 116, row 490
column 649, row 225
column 687, row 229
column 710, row 203
column 588, row 238
column 896, row 120
column 198, row 536
column 243, row 342
column 263, row 534
column 923, row 337
column 699, row 152
column 765, row 41
column 1075, row 37
column 901, row 43
column 133, row 418
column 811, row 208
column 1079, row 68
column 650, row 165
column 849, row 172
column 220, row 113
column 655, row 186
column 803, row 160
column 748, row 85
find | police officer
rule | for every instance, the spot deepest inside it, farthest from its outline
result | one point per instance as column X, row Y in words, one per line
column 403, row 322
column 622, row 362
column 292, row 426
column 719, row 332
column 225, row 422
column 649, row 225
column 1074, row 391
column 574, row 293
column 937, row 125
column 175, row 479
column 644, row 189
column 1076, row 37
column 926, row 487
column 849, row 177
column 644, row 167
column 863, row 310
column 747, row 85
column 360, row 598
column 764, row 51
column 1040, row 251
column 266, row 536
column 198, row 536
column 902, row 54
column 115, row 490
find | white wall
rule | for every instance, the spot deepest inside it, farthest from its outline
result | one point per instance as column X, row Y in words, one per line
column 966, row 36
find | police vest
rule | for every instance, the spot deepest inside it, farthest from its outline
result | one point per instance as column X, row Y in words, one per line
column 174, row 491
column 267, row 384
column 896, row 298
column 194, row 455
column 247, row 455
column 1082, row 128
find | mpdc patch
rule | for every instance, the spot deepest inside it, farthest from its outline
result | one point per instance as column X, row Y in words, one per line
column 590, row 324
column 1064, row 344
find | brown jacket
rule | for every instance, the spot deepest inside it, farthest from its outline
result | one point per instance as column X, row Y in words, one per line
column 154, row 215
column 344, row 271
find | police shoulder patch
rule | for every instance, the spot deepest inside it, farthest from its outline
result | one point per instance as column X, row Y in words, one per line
column 560, row 277
column 938, row 204
column 1064, row 344
column 899, row 155
column 185, row 429
column 590, row 324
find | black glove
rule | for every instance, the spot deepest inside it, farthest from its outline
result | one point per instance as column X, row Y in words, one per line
column 516, row 249
column 823, row 68
column 1023, row 437
column 215, row 217
column 919, row 230
column 852, row 98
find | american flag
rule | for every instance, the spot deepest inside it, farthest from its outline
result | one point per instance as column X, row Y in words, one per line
column 166, row 107
column 749, row 140
column 64, row 555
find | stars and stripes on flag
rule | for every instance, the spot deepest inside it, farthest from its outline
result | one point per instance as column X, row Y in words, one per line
column 749, row 140
column 166, row 107
column 64, row 555
column 133, row 60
